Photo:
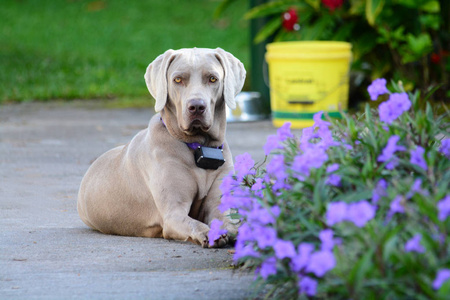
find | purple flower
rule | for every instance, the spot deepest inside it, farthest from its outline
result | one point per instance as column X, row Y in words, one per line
column 400, row 101
column 326, row 237
column 260, row 215
column 237, row 197
column 388, row 152
column 272, row 144
column 334, row 180
column 394, row 107
column 284, row 249
column 301, row 260
column 215, row 232
column 317, row 157
column 275, row 211
column 319, row 122
column 445, row 147
column 313, row 157
column 307, row 286
column 307, row 134
column 416, row 188
column 332, row 168
column 243, row 165
column 245, row 233
column 268, row 267
column 265, row 236
column 336, row 213
column 233, row 196
column 274, row 141
column 377, row 88
column 320, row 130
column 228, row 184
column 360, row 213
column 416, row 185
column 413, row 245
column 444, row 208
column 276, row 167
column 379, row 191
column 442, row 276
column 321, row 262
column 284, row 132
column 243, row 250
column 396, row 207
column 257, row 187
column 417, row 158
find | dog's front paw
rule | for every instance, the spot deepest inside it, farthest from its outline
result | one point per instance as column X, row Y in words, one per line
column 222, row 241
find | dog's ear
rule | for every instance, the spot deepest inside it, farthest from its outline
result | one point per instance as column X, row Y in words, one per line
column 234, row 76
column 156, row 78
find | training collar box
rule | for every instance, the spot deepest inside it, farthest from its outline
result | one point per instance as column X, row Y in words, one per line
column 209, row 158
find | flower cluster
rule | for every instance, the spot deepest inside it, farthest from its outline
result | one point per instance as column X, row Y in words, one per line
column 290, row 20
column 359, row 213
column 333, row 4
column 344, row 198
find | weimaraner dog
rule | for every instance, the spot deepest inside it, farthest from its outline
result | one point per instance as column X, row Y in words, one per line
column 165, row 182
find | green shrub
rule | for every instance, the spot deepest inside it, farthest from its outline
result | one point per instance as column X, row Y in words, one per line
column 353, row 209
column 405, row 39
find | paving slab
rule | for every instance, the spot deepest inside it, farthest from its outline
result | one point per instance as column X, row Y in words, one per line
column 47, row 252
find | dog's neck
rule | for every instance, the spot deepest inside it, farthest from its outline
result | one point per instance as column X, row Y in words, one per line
column 215, row 137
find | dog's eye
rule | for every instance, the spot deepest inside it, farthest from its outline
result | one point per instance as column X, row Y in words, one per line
column 212, row 79
column 177, row 80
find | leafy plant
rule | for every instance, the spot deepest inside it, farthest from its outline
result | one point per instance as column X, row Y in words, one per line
column 353, row 209
column 406, row 39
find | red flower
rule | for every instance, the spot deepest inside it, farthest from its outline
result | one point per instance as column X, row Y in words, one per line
column 290, row 19
column 333, row 4
column 437, row 57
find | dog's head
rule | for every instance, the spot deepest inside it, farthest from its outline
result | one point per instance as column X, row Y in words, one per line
column 194, row 84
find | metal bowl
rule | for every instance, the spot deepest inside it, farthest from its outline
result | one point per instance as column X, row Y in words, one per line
column 248, row 108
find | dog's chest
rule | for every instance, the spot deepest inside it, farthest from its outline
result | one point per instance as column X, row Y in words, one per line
column 206, row 181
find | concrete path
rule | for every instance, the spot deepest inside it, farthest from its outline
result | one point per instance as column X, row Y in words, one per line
column 47, row 252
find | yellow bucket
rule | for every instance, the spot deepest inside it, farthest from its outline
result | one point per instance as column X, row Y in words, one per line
column 307, row 77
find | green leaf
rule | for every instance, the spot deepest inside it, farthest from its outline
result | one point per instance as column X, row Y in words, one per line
column 270, row 8
column 358, row 272
column 356, row 196
column 373, row 9
column 357, row 7
column 268, row 30
column 420, row 45
column 430, row 21
column 444, row 290
column 390, row 243
column 320, row 30
column 431, row 6
column 314, row 3
column 344, row 32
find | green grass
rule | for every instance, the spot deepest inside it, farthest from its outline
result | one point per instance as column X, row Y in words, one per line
column 62, row 49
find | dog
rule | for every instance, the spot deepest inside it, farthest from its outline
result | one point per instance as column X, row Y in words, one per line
column 154, row 186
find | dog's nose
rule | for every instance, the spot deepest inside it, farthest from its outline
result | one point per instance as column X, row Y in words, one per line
column 196, row 106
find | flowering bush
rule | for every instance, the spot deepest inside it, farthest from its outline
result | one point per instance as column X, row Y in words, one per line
column 406, row 39
column 353, row 209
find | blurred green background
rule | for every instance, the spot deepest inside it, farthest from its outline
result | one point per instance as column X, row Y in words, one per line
column 80, row 49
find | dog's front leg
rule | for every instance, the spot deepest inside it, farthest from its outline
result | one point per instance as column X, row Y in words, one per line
column 180, row 226
column 174, row 205
column 211, row 210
